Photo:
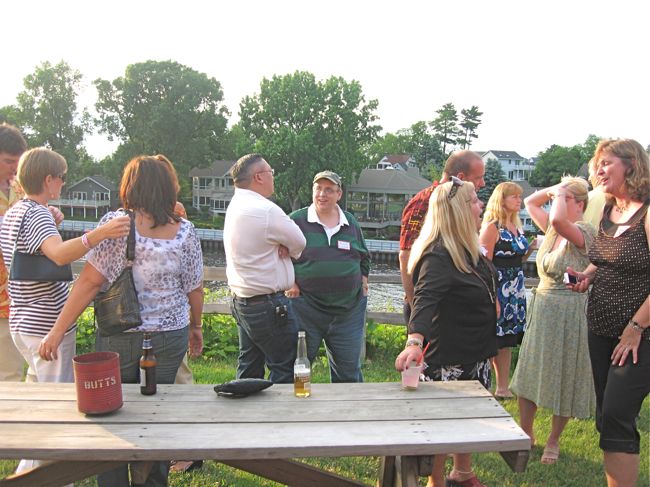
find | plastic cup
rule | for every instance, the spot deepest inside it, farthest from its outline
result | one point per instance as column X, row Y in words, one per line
column 411, row 376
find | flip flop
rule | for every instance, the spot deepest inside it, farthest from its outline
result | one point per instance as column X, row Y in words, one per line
column 550, row 455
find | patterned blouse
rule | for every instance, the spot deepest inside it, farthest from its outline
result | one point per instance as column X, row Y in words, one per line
column 164, row 271
column 621, row 284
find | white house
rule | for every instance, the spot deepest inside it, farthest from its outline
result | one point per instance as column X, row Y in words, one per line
column 514, row 166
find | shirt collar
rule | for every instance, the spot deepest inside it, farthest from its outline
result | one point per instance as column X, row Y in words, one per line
column 312, row 216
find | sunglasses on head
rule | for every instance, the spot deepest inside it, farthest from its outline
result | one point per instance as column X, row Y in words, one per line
column 455, row 184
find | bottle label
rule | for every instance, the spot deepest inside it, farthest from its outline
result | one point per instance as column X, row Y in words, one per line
column 143, row 377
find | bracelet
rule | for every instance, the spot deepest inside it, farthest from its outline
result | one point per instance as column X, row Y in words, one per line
column 636, row 326
column 413, row 341
column 84, row 240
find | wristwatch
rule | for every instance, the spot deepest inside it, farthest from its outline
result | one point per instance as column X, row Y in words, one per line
column 413, row 341
column 636, row 326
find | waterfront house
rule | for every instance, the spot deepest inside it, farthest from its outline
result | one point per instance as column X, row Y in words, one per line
column 90, row 197
column 213, row 187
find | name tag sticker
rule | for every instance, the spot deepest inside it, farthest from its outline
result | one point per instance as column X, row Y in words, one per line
column 343, row 245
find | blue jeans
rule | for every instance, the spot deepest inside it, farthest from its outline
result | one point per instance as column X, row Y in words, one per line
column 343, row 336
column 265, row 338
column 169, row 347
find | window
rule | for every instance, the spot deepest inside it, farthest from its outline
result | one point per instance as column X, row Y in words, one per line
column 79, row 195
column 357, row 196
column 101, row 196
column 204, row 200
column 220, row 204
column 205, row 183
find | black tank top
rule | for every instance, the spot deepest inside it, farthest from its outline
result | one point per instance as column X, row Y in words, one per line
column 622, row 281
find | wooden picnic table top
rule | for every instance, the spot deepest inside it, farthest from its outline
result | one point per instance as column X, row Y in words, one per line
column 41, row 421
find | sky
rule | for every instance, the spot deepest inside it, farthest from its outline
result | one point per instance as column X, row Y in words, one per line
column 542, row 72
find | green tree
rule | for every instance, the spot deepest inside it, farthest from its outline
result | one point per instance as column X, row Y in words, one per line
column 389, row 143
column 445, row 126
column 493, row 176
column 555, row 162
column 471, row 120
column 163, row 107
column 588, row 147
column 303, row 126
column 424, row 146
column 47, row 113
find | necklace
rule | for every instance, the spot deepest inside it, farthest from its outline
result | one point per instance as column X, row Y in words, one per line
column 485, row 285
column 621, row 208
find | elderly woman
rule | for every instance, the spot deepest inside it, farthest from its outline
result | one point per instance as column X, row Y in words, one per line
column 168, row 275
column 553, row 369
column 618, row 308
column 503, row 238
column 454, row 306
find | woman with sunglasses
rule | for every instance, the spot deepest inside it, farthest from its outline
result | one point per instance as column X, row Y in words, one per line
column 506, row 245
column 30, row 227
column 454, row 305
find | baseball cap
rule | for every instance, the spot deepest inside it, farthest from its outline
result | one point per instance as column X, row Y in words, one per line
column 330, row 175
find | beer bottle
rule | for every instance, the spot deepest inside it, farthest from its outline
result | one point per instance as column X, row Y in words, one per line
column 147, row 367
column 302, row 369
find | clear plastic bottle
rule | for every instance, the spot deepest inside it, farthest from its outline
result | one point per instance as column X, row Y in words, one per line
column 302, row 369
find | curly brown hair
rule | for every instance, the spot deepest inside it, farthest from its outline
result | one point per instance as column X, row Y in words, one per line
column 636, row 160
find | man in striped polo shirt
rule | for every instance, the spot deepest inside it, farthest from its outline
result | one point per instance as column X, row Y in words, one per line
column 331, row 289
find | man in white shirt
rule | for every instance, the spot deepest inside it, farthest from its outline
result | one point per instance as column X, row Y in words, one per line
column 259, row 239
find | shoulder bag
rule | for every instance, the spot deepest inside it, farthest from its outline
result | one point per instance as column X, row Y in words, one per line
column 117, row 309
column 36, row 267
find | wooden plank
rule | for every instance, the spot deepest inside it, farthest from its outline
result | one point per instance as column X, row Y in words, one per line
column 292, row 473
column 221, row 410
column 516, row 460
column 236, row 441
column 387, row 473
column 56, row 474
column 407, row 467
column 376, row 391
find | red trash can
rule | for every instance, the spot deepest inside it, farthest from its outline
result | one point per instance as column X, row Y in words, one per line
column 98, row 382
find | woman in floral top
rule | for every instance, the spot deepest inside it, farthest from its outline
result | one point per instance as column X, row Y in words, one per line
column 168, row 276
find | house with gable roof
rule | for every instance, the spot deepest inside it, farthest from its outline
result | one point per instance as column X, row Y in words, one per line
column 213, row 187
column 515, row 167
column 90, row 197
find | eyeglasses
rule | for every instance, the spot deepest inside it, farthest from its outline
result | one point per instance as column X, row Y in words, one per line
column 61, row 177
column 272, row 171
column 326, row 191
column 456, row 183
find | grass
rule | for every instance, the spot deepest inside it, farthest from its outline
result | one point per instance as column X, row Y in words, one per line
column 580, row 462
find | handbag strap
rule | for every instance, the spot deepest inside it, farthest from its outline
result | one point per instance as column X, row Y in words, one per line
column 22, row 222
column 130, row 240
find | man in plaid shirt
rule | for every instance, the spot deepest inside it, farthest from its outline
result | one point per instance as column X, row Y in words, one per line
column 465, row 165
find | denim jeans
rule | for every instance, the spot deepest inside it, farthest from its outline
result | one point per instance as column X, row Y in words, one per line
column 169, row 347
column 264, row 338
column 343, row 336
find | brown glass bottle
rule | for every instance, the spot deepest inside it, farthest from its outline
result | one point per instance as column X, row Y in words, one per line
column 147, row 367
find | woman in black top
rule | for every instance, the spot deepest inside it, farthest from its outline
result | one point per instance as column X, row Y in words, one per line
column 618, row 311
column 454, row 305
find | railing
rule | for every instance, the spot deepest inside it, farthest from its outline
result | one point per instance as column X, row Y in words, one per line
column 79, row 202
column 388, row 246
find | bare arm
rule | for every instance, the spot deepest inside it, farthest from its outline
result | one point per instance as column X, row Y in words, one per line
column 560, row 221
column 534, row 204
column 195, row 298
column 65, row 252
column 407, row 281
column 83, row 292
column 488, row 238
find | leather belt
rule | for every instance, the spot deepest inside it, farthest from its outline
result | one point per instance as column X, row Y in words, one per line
column 260, row 298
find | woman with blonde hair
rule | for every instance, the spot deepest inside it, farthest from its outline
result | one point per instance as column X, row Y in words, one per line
column 506, row 245
column 454, row 305
column 553, row 369
column 618, row 306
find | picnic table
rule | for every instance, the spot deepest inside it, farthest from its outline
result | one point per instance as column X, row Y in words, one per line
column 263, row 433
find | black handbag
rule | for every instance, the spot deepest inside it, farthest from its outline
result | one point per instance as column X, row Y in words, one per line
column 117, row 309
column 36, row 267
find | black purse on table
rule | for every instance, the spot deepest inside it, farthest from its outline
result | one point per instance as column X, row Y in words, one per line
column 117, row 309
column 36, row 267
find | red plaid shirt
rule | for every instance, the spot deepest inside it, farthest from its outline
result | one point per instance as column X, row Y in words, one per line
column 413, row 217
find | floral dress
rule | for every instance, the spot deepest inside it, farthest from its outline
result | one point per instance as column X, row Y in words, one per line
column 511, row 292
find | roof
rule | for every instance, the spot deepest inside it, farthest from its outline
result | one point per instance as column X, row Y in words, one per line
column 101, row 180
column 527, row 188
column 389, row 181
column 218, row 169
column 397, row 158
column 504, row 154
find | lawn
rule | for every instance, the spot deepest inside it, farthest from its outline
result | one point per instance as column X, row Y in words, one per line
column 580, row 462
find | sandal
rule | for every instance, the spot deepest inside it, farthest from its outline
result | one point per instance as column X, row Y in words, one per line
column 550, row 455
